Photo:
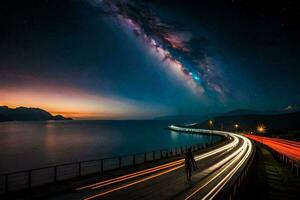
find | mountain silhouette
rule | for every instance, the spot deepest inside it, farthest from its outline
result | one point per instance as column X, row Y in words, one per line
column 27, row 114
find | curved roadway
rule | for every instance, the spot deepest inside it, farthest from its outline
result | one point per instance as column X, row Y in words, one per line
column 286, row 147
column 216, row 168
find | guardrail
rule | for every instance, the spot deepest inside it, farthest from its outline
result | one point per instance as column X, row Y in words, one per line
column 286, row 152
column 27, row 179
column 286, row 160
column 232, row 190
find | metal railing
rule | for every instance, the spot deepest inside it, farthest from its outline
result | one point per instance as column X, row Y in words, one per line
column 232, row 189
column 27, row 179
column 289, row 162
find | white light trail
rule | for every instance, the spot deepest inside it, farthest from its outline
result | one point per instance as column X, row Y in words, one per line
column 225, row 168
column 232, row 162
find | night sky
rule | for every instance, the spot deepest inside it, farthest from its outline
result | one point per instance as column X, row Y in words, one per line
column 105, row 59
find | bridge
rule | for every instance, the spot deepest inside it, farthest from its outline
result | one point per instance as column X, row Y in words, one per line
column 155, row 175
column 220, row 172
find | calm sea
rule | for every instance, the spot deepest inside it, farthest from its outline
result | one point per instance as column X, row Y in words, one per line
column 26, row 145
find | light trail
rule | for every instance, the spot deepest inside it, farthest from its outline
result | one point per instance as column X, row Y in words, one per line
column 218, row 174
column 227, row 147
column 286, row 147
column 235, row 161
column 140, row 174
column 133, row 183
column 231, row 145
column 227, row 167
column 222, row 183
column 132, row 175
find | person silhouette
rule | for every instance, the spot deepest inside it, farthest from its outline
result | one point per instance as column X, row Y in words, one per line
column 189, row 162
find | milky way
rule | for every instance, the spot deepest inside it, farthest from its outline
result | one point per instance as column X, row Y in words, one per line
column 170, row 42
column 133, row 59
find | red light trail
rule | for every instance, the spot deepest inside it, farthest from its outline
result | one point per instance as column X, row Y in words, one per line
column 286, row 147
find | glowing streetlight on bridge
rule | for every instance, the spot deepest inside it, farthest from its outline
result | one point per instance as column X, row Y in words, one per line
column 236, row 126
column 261, row 128
column 210, row 122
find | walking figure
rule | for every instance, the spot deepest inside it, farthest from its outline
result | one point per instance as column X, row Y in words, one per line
column 189, row 163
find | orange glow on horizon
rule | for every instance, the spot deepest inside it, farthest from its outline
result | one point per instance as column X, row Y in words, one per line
column 72, row 102
column 82, row 106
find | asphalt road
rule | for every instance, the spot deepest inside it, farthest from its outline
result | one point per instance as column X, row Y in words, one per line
column 216, row 168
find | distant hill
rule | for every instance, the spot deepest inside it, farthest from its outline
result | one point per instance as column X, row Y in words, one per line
column 197, row 118
column 200, row 118
column 237, row 112
column 260, row 112
column 249, row 122
column 247, row 112
column 27, row 114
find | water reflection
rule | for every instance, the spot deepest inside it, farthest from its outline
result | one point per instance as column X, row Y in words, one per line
column 174, row 135
column 36, row 144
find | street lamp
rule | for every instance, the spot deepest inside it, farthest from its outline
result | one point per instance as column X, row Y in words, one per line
column 236, row 126
column 210, row 122
column 261, row 129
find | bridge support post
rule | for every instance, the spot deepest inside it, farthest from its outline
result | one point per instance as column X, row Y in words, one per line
column 230, row 197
